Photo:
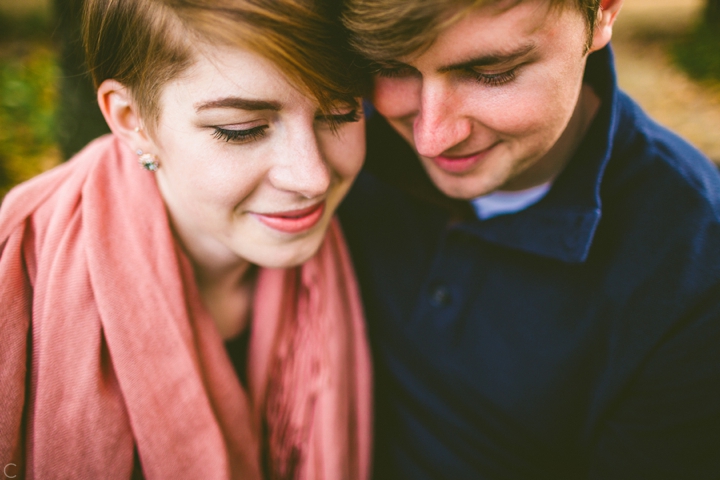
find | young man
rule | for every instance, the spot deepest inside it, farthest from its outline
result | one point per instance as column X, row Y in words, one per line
column 543, row 296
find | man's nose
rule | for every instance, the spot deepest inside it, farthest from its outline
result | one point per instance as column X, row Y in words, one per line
column 439, row 125
column 303, row 169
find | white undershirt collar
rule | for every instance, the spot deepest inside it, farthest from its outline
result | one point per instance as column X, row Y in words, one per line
column 503, row 202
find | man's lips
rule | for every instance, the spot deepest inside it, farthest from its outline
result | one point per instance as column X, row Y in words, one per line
column 293, row 221
column 461, row 164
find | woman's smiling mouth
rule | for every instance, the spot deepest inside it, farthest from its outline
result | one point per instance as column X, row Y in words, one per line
column 293, row 221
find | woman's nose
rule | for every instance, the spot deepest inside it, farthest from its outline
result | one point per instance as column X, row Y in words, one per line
column 303, row 169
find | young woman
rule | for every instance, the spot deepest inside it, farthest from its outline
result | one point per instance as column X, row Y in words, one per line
column 170, row 304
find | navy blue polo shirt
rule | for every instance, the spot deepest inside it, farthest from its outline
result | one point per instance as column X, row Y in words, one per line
column 578, row 338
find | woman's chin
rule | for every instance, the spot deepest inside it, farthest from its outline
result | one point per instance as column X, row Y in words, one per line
column 290, row 255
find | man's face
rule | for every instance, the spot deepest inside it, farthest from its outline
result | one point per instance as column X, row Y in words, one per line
column 486, row 105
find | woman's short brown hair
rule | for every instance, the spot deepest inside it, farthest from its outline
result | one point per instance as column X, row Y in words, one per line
column 389, row 29
column 145, row 43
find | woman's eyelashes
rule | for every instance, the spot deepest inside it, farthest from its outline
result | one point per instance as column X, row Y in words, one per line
column 248, row 135
column 341, row 118
column 240, row 136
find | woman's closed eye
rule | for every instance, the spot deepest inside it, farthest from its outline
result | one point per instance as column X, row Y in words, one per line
column 240, row 135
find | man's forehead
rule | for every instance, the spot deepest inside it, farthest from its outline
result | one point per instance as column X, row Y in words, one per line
column 487, row 35
column 386, row 30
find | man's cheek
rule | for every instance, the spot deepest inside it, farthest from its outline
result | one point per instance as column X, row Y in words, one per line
column 397, row 97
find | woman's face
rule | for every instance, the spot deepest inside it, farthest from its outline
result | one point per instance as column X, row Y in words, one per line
column 250, row 169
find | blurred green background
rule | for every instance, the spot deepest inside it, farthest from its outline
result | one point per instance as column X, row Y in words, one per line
column 668, row 55
column 29, row 76
column 47, row 105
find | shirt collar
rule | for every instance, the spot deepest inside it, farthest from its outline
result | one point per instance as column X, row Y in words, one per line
column 562, row 225
column 506, row 202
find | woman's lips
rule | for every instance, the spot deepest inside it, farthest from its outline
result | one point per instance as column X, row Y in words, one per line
column 459, row 165
column 293, row 221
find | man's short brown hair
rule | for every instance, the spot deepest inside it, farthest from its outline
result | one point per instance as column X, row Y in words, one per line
column 389, row 29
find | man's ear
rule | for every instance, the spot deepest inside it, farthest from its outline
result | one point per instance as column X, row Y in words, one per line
column 121, row 115
column 604, row 24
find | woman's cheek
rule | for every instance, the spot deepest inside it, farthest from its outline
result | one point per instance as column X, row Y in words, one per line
column 345, row 151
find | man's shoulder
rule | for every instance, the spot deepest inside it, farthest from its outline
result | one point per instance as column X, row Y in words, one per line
column 653, row 151
column 651, row 160
column 660, row 200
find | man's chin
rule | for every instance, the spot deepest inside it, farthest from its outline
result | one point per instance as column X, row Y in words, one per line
column 460, row 187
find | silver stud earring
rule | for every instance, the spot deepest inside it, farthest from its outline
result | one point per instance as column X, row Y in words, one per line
column 148, row 161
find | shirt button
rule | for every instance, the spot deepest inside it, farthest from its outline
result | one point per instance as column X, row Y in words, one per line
column 440, row 296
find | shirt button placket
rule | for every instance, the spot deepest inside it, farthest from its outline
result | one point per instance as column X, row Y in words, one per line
column 440, row 296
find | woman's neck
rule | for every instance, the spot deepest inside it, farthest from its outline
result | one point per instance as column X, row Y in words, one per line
column 227, row 294
column 225, row 281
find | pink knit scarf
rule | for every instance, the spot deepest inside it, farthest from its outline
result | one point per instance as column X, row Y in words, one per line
column 106, row 348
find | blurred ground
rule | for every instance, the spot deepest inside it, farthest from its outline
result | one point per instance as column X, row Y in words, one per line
column 643, row 36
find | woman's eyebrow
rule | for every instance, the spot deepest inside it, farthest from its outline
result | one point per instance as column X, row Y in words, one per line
column 239, row 103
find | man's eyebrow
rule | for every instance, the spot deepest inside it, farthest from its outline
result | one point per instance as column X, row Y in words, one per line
column 389, row 65
column 490, row 59
column 239, row 103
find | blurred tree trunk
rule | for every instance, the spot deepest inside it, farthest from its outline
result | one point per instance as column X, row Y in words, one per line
column 712, row 12
column 79, row 118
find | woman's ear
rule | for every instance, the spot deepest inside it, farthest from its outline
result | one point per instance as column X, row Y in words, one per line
column 121, row 114
column 604, row 24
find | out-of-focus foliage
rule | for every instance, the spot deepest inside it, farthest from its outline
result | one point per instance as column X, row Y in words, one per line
column 78, row 117
column 28, row 94
column 712, row 12
column 698, row 52
column 30, row 26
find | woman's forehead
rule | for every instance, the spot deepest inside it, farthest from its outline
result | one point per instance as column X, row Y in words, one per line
column 222, row 76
